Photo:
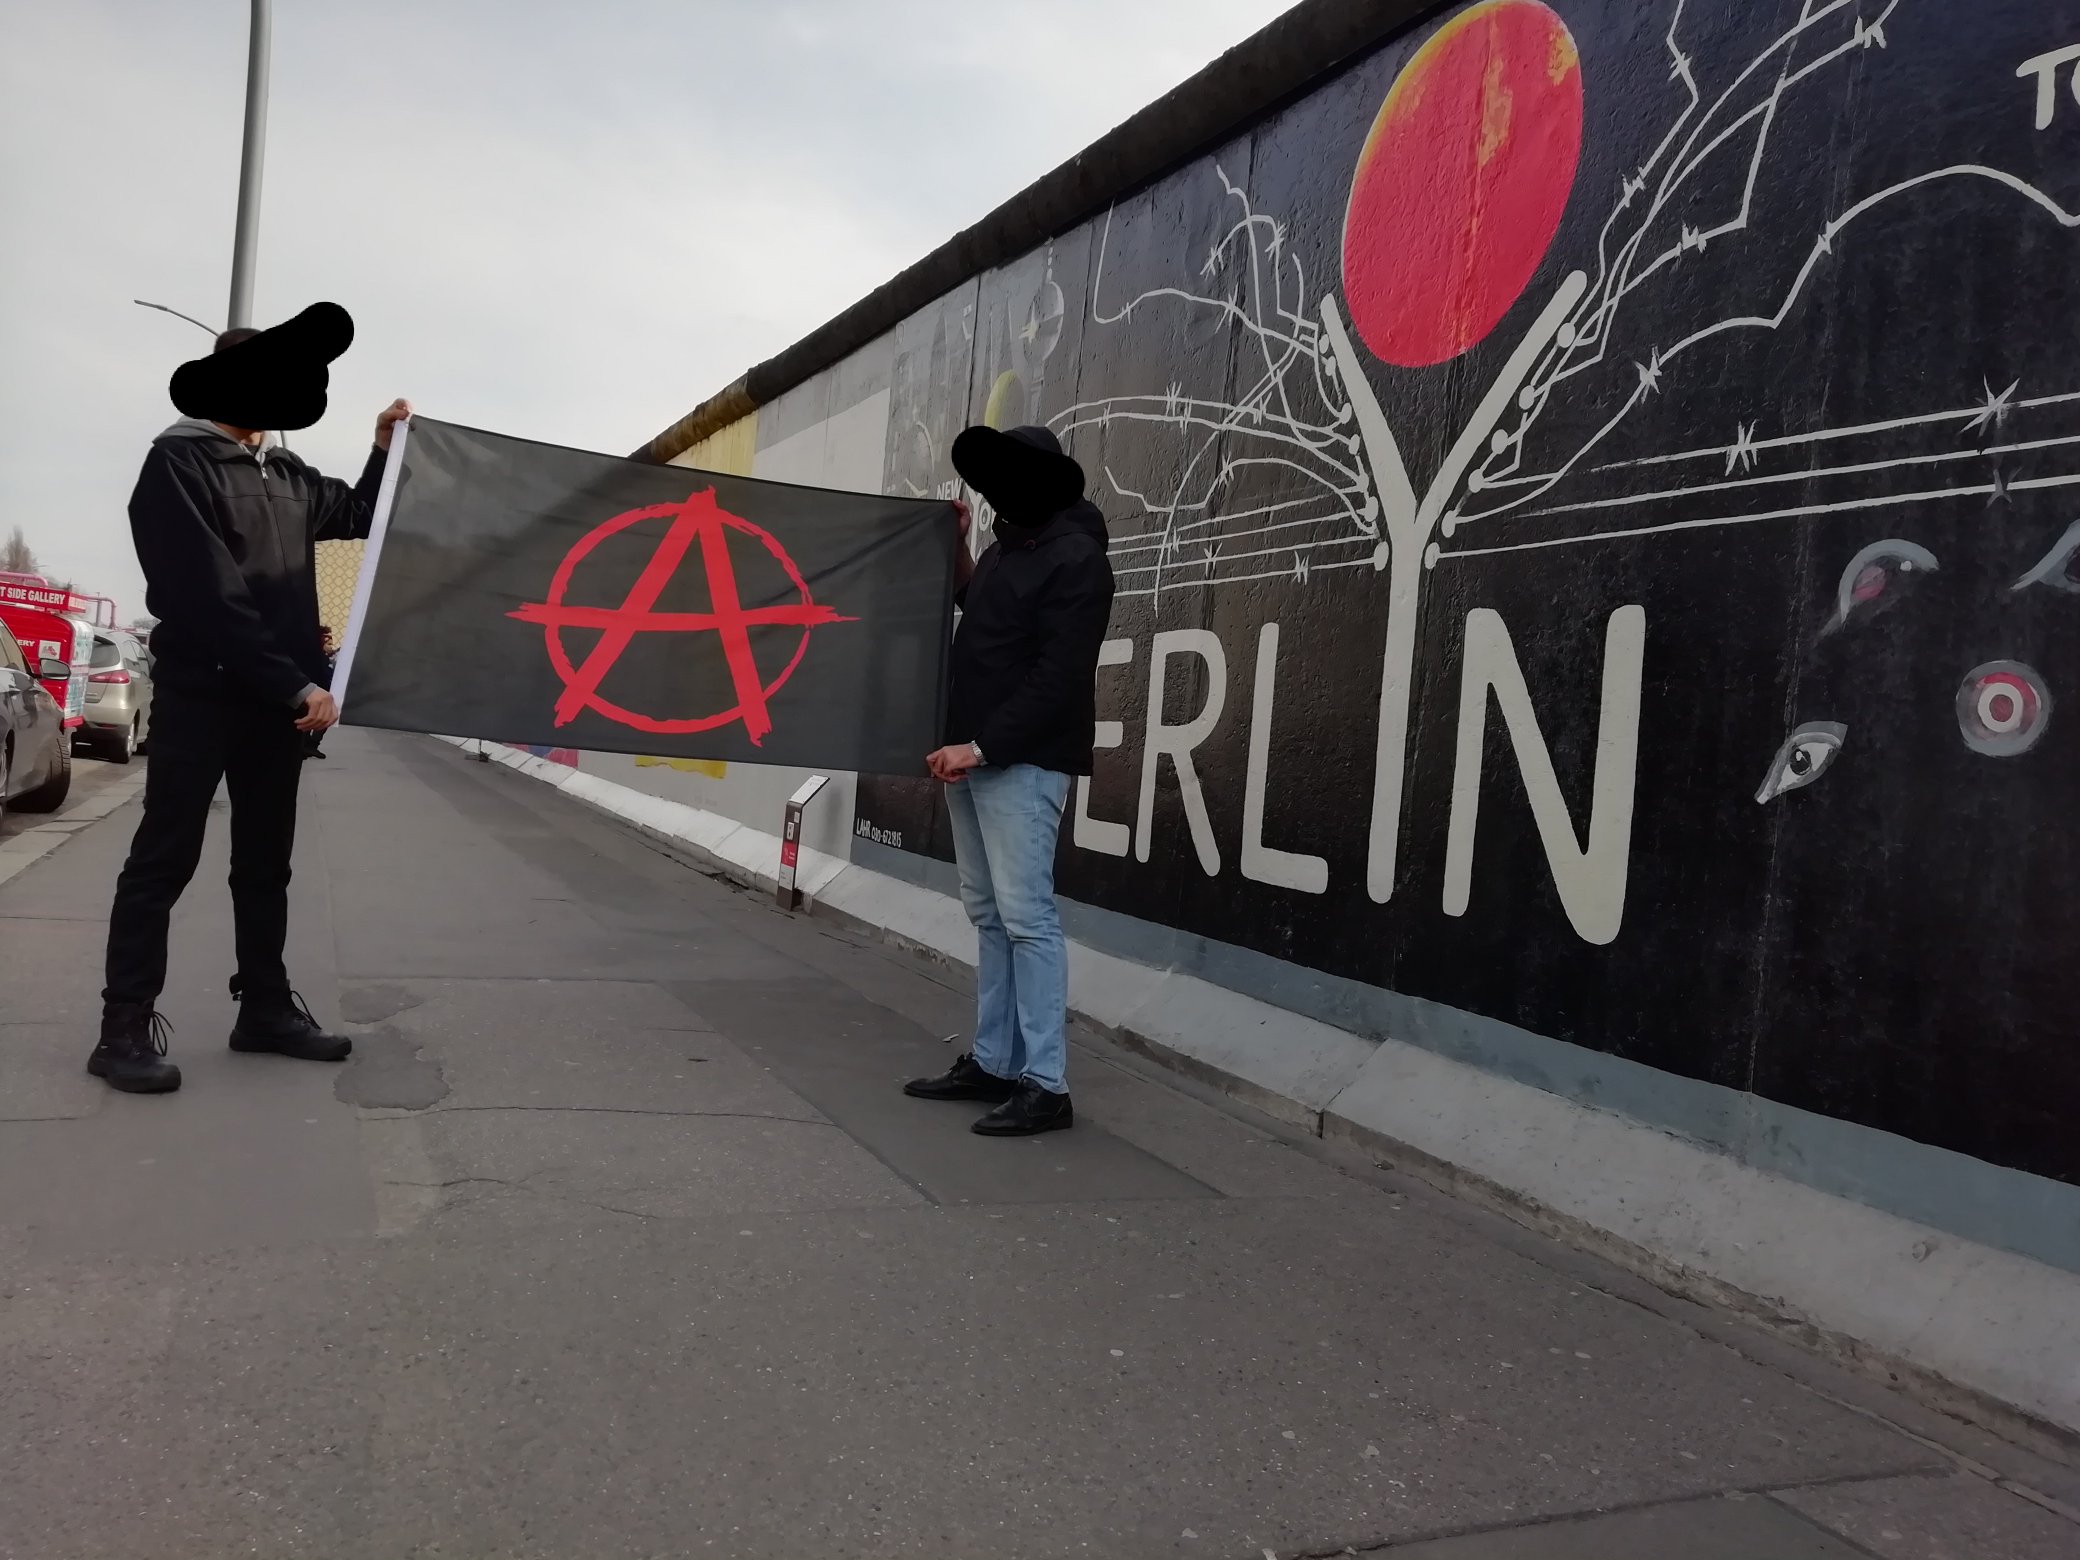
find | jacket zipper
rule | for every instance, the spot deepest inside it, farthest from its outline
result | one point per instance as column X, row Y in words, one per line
column 274, row 521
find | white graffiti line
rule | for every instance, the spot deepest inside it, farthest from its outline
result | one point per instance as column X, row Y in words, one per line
column 1228, row 306
column 1181, row 504
column 1178, row 541
column 1592, row 326
column 1186, row 560
column 1272, row 574
column 1814, row 474
column 1820, row 436
column 1606, row 291
column 1822, row 248
column 1232, row 418
column 1764, row 115
column 1259, row 288
column 1995, row 489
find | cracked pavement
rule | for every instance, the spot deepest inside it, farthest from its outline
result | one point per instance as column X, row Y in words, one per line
column 617, row 1239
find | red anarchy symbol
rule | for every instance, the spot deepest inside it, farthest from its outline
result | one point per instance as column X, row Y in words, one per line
column 700, row 519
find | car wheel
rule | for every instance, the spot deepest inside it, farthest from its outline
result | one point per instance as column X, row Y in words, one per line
column 125, row 748
column 50, row 796
column 6, row 778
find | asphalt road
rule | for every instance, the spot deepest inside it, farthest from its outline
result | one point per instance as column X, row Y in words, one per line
column 616, row 1239
column 98, row 787
column 91, row 777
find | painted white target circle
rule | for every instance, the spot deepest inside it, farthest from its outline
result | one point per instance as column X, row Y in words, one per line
column 2000, row 707
column 2003, row 709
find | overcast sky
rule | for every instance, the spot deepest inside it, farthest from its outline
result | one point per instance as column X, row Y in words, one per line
column 571, row 222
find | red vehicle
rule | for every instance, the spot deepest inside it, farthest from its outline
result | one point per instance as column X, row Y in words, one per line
column 35, row 754
column 53, row 625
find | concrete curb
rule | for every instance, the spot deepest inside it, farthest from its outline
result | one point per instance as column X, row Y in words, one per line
column 1978, row 1332
column 23, row 851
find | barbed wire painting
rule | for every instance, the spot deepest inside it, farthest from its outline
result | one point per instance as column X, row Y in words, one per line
column 1299, row 474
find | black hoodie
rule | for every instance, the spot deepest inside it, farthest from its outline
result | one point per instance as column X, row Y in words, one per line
column 1025, row 658
column 227, row 535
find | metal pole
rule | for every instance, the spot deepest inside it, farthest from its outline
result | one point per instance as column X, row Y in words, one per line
column 248, row 232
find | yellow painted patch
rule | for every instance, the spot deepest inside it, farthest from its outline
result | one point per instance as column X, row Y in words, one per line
column 1498, row 107
column 1566, row 58
column 1007, row 402
column 713, row 768
column 727, row 450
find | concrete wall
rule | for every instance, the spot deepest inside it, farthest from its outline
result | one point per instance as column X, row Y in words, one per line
column 1591, row 490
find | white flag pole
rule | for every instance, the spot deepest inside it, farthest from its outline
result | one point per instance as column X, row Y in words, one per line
column 371, row 554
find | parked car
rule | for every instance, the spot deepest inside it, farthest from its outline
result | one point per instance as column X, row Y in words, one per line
column 118, row 705
column 35, row 752
column 53, row 630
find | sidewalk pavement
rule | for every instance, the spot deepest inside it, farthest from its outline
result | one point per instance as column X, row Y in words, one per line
column 616, row 1238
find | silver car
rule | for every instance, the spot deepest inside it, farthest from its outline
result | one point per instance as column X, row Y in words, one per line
column 119, row 697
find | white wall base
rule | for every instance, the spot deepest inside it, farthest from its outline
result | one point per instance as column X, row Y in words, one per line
column 1972, row 1326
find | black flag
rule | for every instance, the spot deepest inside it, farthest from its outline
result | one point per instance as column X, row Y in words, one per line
column 544, row 596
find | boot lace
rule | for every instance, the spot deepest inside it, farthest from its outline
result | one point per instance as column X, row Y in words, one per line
column 157, row 1032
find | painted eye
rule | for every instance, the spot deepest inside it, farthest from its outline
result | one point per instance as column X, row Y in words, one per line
column 2055, row 569
column 1875, row 578
column 2003, row 709
column 1804, row 758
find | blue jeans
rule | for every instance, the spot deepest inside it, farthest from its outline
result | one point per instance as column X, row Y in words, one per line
column 1005, row 822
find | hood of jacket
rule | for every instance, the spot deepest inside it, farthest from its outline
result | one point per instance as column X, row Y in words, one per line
column 202, row 428
column 1082, row 518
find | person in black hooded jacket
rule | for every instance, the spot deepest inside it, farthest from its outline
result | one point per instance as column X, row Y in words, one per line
column 1021, row 723
column 226, row 525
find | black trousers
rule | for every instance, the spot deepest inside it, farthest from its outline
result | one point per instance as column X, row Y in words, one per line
column 198, row 741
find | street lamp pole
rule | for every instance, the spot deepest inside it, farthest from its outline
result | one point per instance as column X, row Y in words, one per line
column 248, row 232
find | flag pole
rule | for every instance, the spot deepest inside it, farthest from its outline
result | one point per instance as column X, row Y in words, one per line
column 371, row 552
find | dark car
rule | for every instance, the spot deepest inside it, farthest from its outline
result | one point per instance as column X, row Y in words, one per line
column 35, row 753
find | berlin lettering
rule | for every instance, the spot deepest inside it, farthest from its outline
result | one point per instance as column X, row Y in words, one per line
column 1589, row 868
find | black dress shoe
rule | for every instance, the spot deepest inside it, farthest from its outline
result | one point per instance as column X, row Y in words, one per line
column 131, row 1055
column 1030, row 1110
column 968, row 1079
column 280, row 1023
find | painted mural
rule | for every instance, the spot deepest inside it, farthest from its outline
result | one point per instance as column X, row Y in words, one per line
column 1593, row 489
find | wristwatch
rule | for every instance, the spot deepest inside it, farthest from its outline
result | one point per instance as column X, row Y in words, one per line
column 976, row 749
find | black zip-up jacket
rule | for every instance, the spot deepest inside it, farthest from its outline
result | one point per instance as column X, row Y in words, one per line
column 227, row 537
column 1025, row 657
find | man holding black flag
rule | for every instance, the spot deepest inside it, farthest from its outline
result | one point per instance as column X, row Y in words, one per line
column 225, row 522
column 1022, row 715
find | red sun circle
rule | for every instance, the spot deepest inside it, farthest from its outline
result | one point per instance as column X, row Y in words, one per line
column 1462, row 182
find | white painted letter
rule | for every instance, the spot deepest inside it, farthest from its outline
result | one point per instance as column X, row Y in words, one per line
column 1110, row 839
column 1179, row 741
column 1591, row 879
column 2045, row 68
column 1260, row 863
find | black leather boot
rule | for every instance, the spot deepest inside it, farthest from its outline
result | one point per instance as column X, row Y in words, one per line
column 968, row 1079
column 279, row 1022
column 131, row 1055
column 1030, row 1110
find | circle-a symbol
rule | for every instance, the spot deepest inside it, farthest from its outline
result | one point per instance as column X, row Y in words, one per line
column 697, row 522
column 1462, row 182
